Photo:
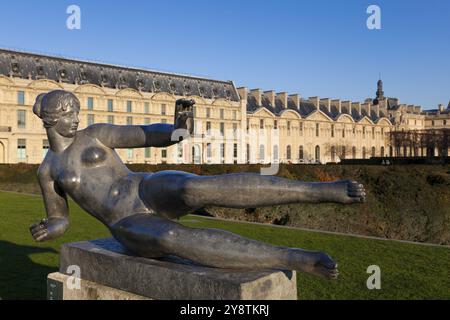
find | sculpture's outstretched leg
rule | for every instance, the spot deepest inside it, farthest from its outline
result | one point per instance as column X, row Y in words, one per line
column 174, row 193
column 152, row 237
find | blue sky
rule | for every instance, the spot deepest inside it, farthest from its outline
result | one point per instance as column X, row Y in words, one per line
column 314, row 48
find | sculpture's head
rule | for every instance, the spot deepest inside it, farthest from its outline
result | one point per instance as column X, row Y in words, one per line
column 59, row 110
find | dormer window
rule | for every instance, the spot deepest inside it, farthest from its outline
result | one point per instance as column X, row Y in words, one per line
column 62, row 74
column 140, row 84
column 40, row 71
column 15, row 67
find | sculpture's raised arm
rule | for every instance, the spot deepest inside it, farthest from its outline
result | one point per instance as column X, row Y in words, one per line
column 154, row 135
column 55, row 201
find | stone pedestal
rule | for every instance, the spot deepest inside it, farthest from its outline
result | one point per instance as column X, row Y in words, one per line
column 108, row 271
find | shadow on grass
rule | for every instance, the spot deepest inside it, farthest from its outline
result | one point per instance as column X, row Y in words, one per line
column 21, row 277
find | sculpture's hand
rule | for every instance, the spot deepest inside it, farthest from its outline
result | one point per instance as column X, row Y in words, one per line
column 184, row 115
column 49, row 229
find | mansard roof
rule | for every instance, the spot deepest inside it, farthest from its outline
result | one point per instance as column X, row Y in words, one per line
column 35, row 66
column 306, row 108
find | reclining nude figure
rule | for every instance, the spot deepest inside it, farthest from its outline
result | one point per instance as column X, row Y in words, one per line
column 139, row 208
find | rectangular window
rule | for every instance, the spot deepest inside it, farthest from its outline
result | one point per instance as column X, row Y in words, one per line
column 90, row 119
column 222, row 129
column 194, row 111
column 222, row 151
column 90, row 103
column 21, row 119
column 208, row 113
column 164, row 153
column 364, row 132
column 110, row 105
column 129, row 121
column 147, row 152
column 110, row 120
column 130, row 153
column 222, row 114
column 45, row 147
column 373, row 133
column 163, row 120
column 288, row 128
column 21, row 150
column 343, row 132
column 208, row 151
column 147, row 108
column 275, row 124
column 234, row 115
column 261, row 123
column 301, row 128
column 147, row 121
column 235, row 150
column 317, row 130
column 332, row 130
column 129, row 106
column 163, row 109
column 21, row 98
column 235, row 130
column 208, row 127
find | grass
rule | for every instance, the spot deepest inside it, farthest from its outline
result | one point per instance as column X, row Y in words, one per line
column 408, row 271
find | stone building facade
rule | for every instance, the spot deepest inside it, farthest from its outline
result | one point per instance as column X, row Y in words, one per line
column 233, row 125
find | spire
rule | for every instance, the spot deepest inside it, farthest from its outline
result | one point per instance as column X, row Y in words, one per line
column 379, row 93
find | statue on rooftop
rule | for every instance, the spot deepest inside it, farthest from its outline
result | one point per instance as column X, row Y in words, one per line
column 139, row 208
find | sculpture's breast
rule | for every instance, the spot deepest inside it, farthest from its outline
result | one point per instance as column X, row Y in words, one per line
column 93, row 156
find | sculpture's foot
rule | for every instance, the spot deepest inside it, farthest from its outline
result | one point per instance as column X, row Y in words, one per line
column 348, row 191
column 317, row 263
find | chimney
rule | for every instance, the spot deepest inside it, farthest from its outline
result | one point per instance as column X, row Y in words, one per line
column 243, row 93
column 284, row 99
column 441, row 108
column 338, row 104
column 271, row 96
column 357, row 106
column 327, row 103
column 347, row 105
column 377, row 110
column 314, row 101
column 366, row 106
column 418, row 109
column 296, row 99
column 256, row 93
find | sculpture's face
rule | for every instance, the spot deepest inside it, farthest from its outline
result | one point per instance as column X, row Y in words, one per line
column 67, row 124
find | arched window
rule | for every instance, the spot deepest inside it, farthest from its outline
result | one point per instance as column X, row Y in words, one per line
column 354, row 152
column 317, row 154
column 333, row 154
column 343, row 152
column 301, row 155
column 288, row 152
column 275, row 153
column 261, row 152
column 364, row 152
column 374, row 151
column 382, row 151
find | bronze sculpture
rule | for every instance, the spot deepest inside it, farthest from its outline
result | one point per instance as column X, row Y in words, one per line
column 138, row 208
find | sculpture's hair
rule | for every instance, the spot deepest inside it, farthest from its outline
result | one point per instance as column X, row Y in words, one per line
column 50, row 106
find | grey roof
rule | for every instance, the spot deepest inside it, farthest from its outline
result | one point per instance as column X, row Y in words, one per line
column 36, row 66
column 307, row 107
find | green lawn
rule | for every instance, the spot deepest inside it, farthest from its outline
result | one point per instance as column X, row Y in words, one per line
column 408, row 271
